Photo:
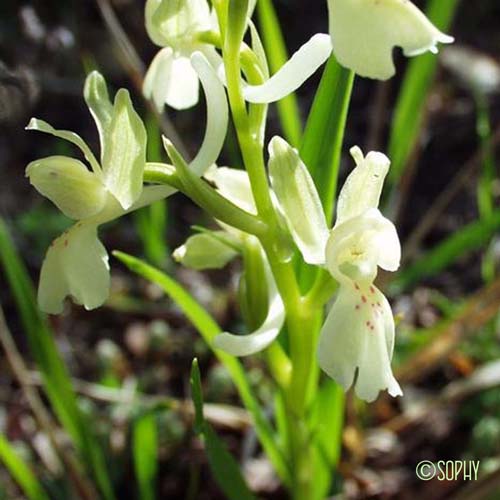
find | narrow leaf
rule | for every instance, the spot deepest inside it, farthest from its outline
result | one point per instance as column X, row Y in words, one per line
column 471, row 237
column 20, row 471
column 145, row 453
column 224, row 468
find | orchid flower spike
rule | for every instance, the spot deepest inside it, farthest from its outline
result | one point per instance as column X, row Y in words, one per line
column 175, row 25
column 358, row 335
column 365, row 32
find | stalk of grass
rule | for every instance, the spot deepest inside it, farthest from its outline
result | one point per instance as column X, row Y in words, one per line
column 42, row 416
column 224, row 468
column 145, row 454
column 21, row 471
column 57, row 382
column 151, row 222
column 473, row 236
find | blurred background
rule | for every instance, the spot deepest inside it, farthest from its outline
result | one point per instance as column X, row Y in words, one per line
column 438, row 120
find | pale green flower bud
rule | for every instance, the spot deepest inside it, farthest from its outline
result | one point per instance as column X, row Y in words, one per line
column 175, row 23
column 205, row 251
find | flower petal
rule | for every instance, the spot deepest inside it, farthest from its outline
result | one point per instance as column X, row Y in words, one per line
column 183, row 86
column 217, row 115
column 42, row 126
column 299, row 200
column 363, row 187
column 358, row 336
column 125, row 155
column 76, row 265
column 364, row 33
column 294, row 73
column 156, row 85
column 245, row 345
column 205, row 251
column 357, row 246
column 67, row 182
column 234, row 185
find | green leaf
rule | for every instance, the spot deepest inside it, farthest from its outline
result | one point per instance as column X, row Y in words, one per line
column 56, row 380
column 20, row 471
column 410, row 106
column 224, row 468
column 324, row 135
column 145, row 453
column 274, row 43
column 209, row 329
column 326, row 423
column 471, row 237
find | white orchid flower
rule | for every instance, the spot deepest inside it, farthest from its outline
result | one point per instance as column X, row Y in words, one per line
column 365, row 32
column 234, row 185
column 175, row 25
column 76, row 264
column 358, row 334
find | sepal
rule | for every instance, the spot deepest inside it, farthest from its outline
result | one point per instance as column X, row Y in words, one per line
column 299, row 200
column 67, row 182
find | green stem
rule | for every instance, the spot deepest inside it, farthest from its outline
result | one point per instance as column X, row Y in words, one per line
column 299, row 317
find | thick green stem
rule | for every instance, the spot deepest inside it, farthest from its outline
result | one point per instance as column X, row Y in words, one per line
column 299, row 315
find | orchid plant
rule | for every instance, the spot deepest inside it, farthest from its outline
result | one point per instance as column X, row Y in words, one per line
column 273, row 218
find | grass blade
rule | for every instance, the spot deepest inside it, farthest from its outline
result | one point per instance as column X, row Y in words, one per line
column 145, row 454
column 324, row 134
column 21, row 472
column 152, row 222
column 472, row 237
column 410, row 106
column 274, row 43
column 208, row 329
column 57, row 382
column 224, row 468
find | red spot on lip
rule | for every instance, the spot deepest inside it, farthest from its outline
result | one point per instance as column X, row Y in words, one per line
column 363, row 298
column 372, row 289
